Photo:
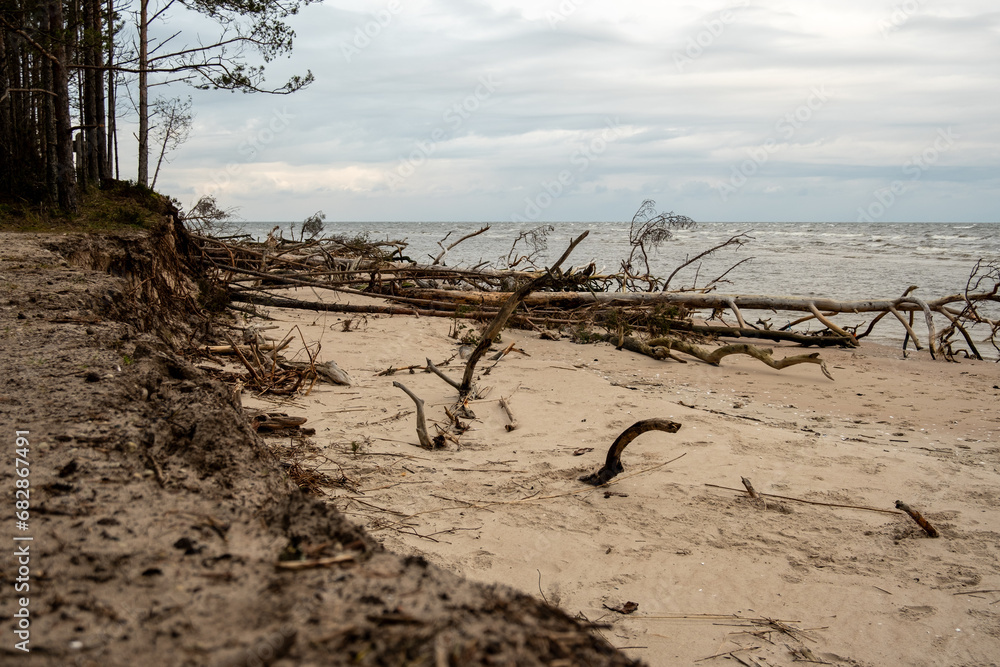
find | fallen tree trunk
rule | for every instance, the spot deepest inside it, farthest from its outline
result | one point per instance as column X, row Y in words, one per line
column 693, row 300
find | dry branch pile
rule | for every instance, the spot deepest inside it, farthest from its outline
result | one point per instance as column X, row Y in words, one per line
column 631, row 303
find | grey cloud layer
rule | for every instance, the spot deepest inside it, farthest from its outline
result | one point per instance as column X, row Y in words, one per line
column 397, row 85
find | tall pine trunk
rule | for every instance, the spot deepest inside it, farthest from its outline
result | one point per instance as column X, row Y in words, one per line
column 97, row 83
column 143, row 93
column 112, row 116
column 65, row 172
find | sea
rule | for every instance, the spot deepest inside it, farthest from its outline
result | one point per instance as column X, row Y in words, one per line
column 844, row 261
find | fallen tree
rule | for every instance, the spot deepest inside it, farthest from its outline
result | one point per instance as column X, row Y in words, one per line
column 624, row 303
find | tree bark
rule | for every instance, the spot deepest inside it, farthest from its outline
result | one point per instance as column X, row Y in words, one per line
column 65, row 172
column 143, row 177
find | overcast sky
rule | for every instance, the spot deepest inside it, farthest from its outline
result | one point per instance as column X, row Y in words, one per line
column 468, row 110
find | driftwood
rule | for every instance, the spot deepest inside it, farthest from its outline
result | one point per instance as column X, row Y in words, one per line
column 422, row 436
column 245, row 349
column 510, row 415
column 660, row 348
column 380, row 270
column 444, row 250
column 919, row 518
column 270, row 422
column 264, row 374
column 613, row 463
column 749, row 486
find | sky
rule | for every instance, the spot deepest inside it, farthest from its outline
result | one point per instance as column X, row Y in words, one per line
column 578, row 110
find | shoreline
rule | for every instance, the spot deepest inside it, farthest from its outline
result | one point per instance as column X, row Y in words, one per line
column 886, row 429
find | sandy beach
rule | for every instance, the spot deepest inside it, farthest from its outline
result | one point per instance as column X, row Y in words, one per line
column 713, row 572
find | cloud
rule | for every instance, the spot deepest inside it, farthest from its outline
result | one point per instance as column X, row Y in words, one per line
column 695, row 90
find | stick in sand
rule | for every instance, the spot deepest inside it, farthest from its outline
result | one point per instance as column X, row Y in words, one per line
column 919, row 518
column 613, row 464
column 425, row 440
column 510, row 415
column 508, row 308
column 750, row 489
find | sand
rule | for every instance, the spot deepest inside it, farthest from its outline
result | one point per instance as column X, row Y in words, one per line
column 713, row 572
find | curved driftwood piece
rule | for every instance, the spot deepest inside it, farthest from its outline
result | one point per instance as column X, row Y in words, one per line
column 807, row 340
column 906, row 325
column 613, row 464
column 425, row 440
column 830, row 325
column 919, row 518
column 761, row 354
column 660, row 348
column 739, row 316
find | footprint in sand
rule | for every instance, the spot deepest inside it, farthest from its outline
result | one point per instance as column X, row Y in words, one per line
column 916, row 613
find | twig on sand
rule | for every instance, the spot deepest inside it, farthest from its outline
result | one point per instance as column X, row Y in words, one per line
column 510, row 415
column 540, row 592
column 919, row 518
column 319, row 562
column 809, row 502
